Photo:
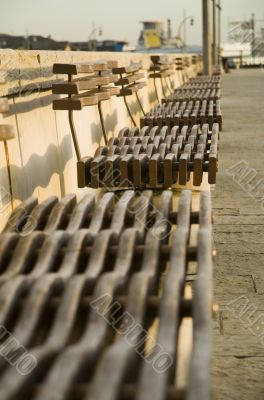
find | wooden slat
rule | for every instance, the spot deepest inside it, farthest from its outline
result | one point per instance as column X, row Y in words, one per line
column 129, row 79
column 4, row 106
column 75, row 87
column 153, row 384
column 58, row 215
column 75, row 103
column 96, row 167
column 72, row 69
column 138, row 254
column 18, row 216
column 212, row 165
column 7, row 132
column 130, row 89
column 200, row 368
column 83, row 171
column 128, row 69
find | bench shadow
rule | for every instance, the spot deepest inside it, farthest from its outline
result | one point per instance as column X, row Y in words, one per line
column 29, row 105
column 110, row 122
column 39, row 170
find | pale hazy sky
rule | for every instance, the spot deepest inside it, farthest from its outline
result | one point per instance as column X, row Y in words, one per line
column 73, row 20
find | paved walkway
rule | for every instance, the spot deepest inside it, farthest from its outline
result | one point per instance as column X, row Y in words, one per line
column 238, row 372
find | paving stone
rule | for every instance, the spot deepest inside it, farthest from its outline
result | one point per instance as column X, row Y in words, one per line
column 239, row 345
column 251, row 321
column 240, row 264
column 240, row 248
column 259, row 282
column 233, row 283
column 225, row 300
column 238, row 378
column 226, row 211
column 245, row 221
column 238, row 235
column 238, row 364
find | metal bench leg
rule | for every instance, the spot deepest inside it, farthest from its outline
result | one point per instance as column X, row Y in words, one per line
column 74, row 135
column 9, row 174
column 102, row 121
column 129, row 112
column 140, row 104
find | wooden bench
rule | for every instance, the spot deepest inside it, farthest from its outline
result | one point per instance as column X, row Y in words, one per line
column 157, row 157
column 162, row 68
column 88, row 84
column 184, row 112
column 195, row 102
column 182, row 63
column 179, row 63
column 199, row 88
column 130, row 82
column 193, row 93
column 124, row 255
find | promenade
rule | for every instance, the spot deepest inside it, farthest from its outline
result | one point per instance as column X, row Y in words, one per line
column 238, row 368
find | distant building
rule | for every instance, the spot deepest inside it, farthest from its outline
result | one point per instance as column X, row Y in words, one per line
column 95, row 45
column 36, row 42
column 32, row 42
column 230, row 50
column 111, row 45
column 152, row 35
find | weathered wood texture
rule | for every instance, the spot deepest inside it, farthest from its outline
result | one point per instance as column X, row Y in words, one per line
column 154, row 157
column 42, row 159
column 59, row 257
column 86, row 90
column 197, row 101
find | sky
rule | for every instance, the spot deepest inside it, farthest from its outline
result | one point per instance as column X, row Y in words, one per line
column 74, row 20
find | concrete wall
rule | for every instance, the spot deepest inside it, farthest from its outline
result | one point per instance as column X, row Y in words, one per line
column 42, row 157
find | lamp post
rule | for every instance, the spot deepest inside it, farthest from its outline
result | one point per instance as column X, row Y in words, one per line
column 219, row 30
column 214, row 52
column 207, row 50
column 183, row 23
column 90, row 42
column 253, row 44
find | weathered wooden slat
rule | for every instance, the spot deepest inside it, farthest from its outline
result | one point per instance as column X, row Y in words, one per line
column 4, row 106
column 196, row 149
column 153, row 384
column 83, row 171
column 75, row 103
column 76, row 86
column 141, row 283
column 199, row 376
column 18, row 217
column 129, row 79
column 79, row 214
column 130, row 89
column 97, row 166
column 59, row 215
column 128, row 69
column 39, row 215
column 72, row 69
column 138, row 254
column 7, row 132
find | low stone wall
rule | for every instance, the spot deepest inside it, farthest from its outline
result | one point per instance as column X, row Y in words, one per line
column 42, row 156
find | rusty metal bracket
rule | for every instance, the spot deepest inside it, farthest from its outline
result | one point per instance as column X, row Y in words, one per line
column 9, row 174
column 140, row 104
column 72, row 128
